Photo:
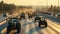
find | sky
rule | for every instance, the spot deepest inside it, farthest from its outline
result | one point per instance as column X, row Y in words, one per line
column 32, row 2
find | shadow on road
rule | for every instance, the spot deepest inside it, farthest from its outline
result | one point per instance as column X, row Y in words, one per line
column 36, row 29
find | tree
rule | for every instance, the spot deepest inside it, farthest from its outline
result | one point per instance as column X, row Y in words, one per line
column 6, row 7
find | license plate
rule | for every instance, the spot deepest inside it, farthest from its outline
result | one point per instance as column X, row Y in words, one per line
column 13, row 30
column 42, row 25
column 37, row 20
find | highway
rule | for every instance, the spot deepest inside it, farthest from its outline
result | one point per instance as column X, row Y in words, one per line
column 28, row 26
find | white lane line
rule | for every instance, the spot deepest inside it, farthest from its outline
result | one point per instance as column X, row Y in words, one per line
column 36, row 32
column 44, row 31
column 56, row 29
column 51, row 31
column 54, row 24
column 4, row 30
column 23, row 28
column 33, row 25
column 27, row 27
column 36, row 25
column 30, row 26
column 2, row 22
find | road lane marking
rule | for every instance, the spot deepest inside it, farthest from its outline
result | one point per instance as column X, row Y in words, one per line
column 28, row 26
column 51, row 31
column 2, row 22
column 4, row 30
column 35, row 33
column 44, row 31
column 32, row 30
column 54, row 24
column 38, row 31
column 54, row 28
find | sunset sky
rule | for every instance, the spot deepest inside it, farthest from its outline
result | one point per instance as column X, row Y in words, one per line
column 32, row 2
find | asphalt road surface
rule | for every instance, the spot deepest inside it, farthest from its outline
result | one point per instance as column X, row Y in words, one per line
column 28, row 26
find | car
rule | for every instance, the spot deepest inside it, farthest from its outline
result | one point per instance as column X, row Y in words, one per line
column 42, row 22
column 4, row 15
column 57, row 15
column 30, row 16
column 22, row 16
column 13, row 24
column 37, row 18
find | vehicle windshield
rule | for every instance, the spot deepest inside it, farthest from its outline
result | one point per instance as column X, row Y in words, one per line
column 42, row 19
column 14, row 20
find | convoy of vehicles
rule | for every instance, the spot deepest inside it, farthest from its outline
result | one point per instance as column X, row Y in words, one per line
column 14, row 24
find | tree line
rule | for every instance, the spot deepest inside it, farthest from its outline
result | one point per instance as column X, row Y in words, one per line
column 6, row 7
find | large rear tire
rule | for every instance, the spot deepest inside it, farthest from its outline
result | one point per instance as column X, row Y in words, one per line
column 18, row 28
column 45, row 25
column 8, row 29
column 18, row 31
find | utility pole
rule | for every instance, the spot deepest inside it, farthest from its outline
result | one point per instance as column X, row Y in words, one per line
column 58, row 5
column 2, row 6
column 46, row 4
